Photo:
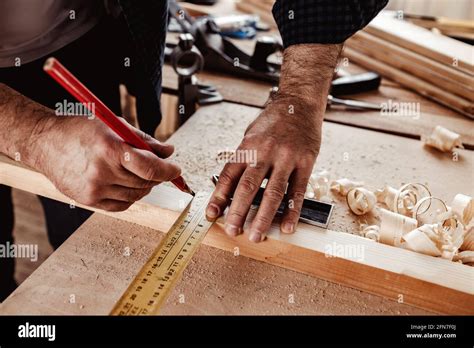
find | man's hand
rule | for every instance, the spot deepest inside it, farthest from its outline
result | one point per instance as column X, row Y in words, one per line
column 286, row 138
column 83, row 158
column 92, row 165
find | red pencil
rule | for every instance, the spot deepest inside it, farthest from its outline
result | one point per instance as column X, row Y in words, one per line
column 67, row 80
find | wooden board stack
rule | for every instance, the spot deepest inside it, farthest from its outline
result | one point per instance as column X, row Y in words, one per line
column 431, row 64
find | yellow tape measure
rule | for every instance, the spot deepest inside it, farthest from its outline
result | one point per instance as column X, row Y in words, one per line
column 156, row 279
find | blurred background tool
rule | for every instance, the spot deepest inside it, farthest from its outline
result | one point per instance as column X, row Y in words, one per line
column 187, row 60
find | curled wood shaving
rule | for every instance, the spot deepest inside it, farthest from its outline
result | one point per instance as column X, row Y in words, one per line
column 443, row 139
column 403, row 200
column 463, row 208
column 319, row 183
column 427, row 211
column 418, row 240
column 387, row 196
column 435, row 240
column 464, row 256
column 344, row 185
column 393, row 226
column 371, row 232
column 360, row 200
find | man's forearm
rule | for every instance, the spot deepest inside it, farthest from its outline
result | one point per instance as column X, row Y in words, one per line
column 21, row 122
column 307, row 72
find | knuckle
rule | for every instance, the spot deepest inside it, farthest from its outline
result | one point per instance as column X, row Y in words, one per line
column 236, row 215
column 91, row 195
column 273, row 194
column 297, row 196
column 292, row 216
column 307, row 160
column 263, row 222
column 151, row 172
column 94, row 173
column 225, row 179
column 248, row 186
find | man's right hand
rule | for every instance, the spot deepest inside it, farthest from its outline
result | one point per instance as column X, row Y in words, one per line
column 92, row 165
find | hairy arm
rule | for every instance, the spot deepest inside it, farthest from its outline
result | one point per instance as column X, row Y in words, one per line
column 82, row 157
column 22, row 121
column 286, row 138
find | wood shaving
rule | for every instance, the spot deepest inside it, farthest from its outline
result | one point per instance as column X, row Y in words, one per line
column 443, row 139
column 344, row 185
column 464, row 257
column 393, row 226
column 319, row 183
column 463, row 208
column 435, row 240
column 360, row 200
column 403, row 200
column 418, row 240
column 468, row 243
column 371, row 232
column 387, row 196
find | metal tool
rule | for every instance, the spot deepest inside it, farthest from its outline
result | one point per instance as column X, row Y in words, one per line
column 187, row 60
column 150, row 288
column 313, row 212
column 358, row 83
column 353, row 104
column 220, row 54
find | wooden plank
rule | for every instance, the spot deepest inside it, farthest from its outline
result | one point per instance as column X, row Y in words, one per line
column 427, row 69
column 408, row 80
column 448, row 51
column 255, row 93
column 289, row 251
column 427, row 282
column 91, row 265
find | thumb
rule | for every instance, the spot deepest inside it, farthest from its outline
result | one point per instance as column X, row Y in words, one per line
column 160, row 149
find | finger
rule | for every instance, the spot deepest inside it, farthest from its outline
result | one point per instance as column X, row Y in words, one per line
column 124, row 194
column 113, row 205
column 244, row 194
column 128, row 179
column 148, row 166
column 162, row 150
column 272, row 198
column 296, row 190
column 228, row 180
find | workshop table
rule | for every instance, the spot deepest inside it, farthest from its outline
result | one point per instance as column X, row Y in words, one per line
column 91, row 267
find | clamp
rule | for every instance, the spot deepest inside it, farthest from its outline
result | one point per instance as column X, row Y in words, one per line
column 220, row 54
column 187, row 60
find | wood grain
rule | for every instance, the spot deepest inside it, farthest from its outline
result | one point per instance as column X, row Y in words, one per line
column 428, row 90
column 452, row 80
column 92, row 266
column 255, row 93
column 450, row 52
column 424, row 281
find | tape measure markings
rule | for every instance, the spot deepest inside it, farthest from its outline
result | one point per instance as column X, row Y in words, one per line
column 149, row 289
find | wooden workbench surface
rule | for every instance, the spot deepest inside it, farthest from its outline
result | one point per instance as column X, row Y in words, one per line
column 91, row 265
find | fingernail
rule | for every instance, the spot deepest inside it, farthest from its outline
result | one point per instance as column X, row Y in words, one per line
column 231, row 230
column 212, row 211
column 288, row 227
column 257, row 237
